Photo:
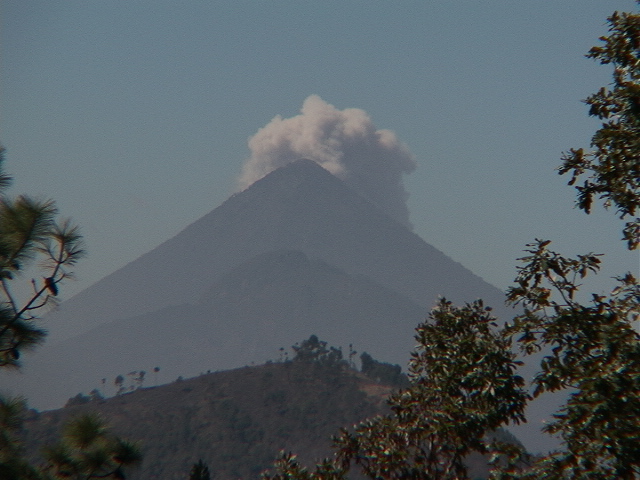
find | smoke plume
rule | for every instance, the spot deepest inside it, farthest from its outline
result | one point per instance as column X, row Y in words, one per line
column 344, row 142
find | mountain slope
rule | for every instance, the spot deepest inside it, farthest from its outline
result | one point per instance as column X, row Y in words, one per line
column 271, row 301
column 236, row 421
column 155, row 312
column 298, row 207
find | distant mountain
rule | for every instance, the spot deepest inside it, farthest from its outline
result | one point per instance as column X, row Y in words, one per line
column 298, row 207
column 236, row 421
column 298, row 252
column 271, row 301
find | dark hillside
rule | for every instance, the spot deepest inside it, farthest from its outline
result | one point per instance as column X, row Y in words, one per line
column 237, row 421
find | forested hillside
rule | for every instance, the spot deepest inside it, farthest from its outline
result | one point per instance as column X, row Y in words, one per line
column 236, row 421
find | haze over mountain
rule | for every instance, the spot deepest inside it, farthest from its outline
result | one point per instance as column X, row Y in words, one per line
column 271, row 301
column 297, row 253
column 299, row 207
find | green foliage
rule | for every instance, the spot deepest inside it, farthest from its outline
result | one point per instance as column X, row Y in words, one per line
column 612, row 168
column 13, row 466
column 594, row 350
column 30, row 234
column 199, row 471
column 463, row 386
column 89, row 451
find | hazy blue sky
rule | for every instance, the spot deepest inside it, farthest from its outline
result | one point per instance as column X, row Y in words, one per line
column 134, row 116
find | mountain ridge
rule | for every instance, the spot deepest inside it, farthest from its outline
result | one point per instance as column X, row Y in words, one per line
column 285, row 209
column 298, row 208
column 270, row 301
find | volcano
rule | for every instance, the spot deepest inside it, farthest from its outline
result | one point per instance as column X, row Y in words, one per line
column 296, row 253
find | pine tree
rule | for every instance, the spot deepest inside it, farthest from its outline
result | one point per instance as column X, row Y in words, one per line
column 89, row 451
column 30, row 233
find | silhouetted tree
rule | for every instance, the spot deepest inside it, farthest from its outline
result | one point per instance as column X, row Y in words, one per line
column 95, row 395
column 309, row 350
column 119, row 383
column 199, row 471
column 140, row 378
column 352, row 354
column 81, row 399
column 381, row 371
column 314, row 350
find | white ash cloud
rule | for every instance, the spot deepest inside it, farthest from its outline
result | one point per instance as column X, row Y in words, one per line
column 344, row 142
